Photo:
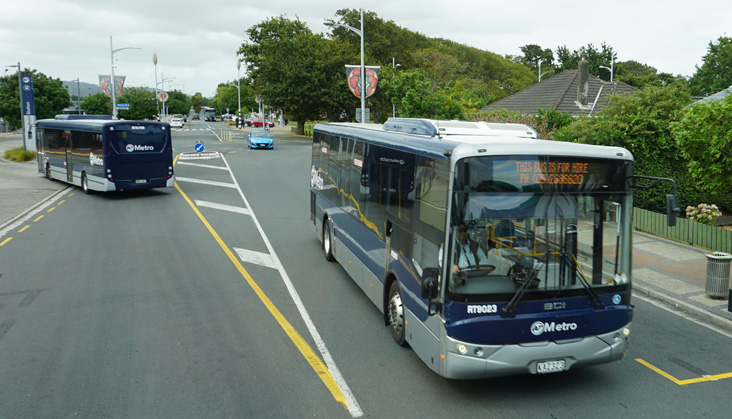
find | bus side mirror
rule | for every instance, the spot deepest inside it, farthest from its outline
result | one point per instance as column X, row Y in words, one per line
column 430, row 281
column 672, row 209
column 430, row 286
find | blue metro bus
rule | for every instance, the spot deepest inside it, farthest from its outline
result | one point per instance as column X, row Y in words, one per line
column 489, row 251
column 104, row 154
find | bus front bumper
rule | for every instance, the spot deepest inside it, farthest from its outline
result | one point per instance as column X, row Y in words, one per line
column 485, row 361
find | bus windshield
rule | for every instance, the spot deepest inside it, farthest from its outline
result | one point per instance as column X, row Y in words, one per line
column 138, row 138
column 544, row 227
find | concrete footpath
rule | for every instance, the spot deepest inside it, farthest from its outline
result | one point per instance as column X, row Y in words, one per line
column 665, row 271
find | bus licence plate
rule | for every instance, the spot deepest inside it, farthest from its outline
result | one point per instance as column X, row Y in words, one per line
column 550, row 366
column 140, row 180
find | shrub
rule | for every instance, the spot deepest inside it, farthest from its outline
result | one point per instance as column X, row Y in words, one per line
column 703, row 213
column 18, row 154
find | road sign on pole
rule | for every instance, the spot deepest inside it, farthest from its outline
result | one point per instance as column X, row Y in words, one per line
column 358, row 114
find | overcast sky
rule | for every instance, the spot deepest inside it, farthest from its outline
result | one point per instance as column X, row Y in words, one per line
column 196, row 41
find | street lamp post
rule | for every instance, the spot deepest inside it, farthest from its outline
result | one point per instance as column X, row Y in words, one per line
column 163, row 90
column 238, row 86
column 540, row 73
column 363, row 68
column 394, row 65
column 238, row 89
column 114, row 83
column 612, row 65
column 78, row 96
column 155, row 63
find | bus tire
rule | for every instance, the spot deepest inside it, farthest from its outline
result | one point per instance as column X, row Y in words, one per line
column 395, row 310
column 85, row 184
column 328, row 241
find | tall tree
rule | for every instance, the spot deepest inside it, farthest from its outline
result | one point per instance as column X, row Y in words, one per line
column 704, row 136
column 178, row 103
column 294, row 69
column 416, row 97
column 97, row 104
column 196, row 102
column 50, row 97
column 141, row 101
column 534, row 54
column 715, row 73
column 568, row 60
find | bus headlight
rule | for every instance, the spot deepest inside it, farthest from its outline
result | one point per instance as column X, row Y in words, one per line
column 462, row 349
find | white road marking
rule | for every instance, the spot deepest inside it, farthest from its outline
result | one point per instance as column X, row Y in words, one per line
column 206, row 182
column 27, row 215
column 207, row 166
column 257, row 258
column 223, row 207
column 353, row 408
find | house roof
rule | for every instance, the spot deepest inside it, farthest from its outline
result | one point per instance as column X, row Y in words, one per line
column 717, row 96
column 560, row 92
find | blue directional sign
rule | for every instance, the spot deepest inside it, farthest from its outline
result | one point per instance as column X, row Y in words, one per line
column 198, row 147
column 29, row 107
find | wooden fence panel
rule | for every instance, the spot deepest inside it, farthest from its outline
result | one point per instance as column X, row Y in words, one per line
column 687, row 231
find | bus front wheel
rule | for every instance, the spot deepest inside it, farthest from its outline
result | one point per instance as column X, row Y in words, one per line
column 396, row 314
column 328, row 241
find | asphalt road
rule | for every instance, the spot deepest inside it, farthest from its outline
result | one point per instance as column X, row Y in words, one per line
column 214, row 300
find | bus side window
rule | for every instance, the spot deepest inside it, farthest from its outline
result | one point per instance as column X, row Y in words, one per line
column 429, row 212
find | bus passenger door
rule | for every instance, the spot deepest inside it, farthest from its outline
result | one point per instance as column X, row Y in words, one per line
column 40, row 149
column 69, row 158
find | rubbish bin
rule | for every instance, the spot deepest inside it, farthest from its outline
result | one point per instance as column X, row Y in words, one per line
column 718, row 274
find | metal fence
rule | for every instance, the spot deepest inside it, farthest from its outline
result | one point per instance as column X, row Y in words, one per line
column 687, row 231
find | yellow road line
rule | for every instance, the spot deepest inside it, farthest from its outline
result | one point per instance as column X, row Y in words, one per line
column 39, row 217
column 685, row 382
column 310, row 356
column 24, row 229
column 4, row 242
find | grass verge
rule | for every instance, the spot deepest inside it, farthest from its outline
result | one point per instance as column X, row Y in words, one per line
column 19, row 155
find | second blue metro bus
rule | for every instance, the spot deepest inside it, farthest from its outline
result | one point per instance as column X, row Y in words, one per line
column 105, row 154
column 490, row 251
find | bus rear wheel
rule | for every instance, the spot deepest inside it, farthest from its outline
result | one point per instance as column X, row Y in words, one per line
column 85, row 184
column 328, row 241
column 396, row 314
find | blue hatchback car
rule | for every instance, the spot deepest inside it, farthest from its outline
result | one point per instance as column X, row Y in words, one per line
column 261, row 139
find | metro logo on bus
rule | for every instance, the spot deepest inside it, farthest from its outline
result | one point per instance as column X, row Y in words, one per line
column 135, row 147
column 538, row 328
column 95, row 161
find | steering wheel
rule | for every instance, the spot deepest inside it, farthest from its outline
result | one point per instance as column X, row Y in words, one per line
column 472, row 271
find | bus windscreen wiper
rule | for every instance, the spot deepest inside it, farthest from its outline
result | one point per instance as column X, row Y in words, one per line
column 530, row 280
column 583, row 280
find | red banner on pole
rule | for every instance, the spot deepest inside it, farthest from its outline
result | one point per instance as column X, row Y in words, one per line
column 106, row 86
column 353, row 72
